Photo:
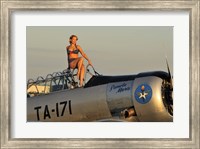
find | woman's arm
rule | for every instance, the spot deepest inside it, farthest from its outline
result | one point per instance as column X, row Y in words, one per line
column 83, row 54
column 67, row 57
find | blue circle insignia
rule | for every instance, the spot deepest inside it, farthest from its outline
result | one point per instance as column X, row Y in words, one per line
column 143, row 93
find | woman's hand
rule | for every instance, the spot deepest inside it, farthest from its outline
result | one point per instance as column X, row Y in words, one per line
column 89, row 63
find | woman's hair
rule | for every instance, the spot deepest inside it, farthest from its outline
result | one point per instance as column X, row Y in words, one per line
column 70, row 38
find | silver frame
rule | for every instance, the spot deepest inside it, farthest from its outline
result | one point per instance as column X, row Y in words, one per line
column 8, row 7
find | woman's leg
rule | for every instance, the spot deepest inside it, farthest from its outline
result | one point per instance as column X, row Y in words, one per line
column 82, row 73
column 80, row 63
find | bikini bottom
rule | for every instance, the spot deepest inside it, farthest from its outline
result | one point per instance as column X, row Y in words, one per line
column 71, row 59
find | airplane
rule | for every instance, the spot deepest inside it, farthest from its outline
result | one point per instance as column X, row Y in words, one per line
column 142, row 97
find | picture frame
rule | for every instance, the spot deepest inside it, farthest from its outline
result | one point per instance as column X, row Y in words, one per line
column 9, row 7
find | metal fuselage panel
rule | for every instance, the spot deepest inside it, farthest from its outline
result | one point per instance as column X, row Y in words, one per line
column 81, row 104
column 119, row 96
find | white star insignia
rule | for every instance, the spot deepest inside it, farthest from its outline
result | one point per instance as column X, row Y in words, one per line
column 143, row 95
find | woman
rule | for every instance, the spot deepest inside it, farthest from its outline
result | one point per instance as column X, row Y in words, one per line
column 74, row 61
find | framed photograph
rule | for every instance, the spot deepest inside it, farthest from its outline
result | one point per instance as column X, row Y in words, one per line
column 121, row 40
